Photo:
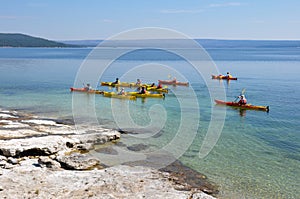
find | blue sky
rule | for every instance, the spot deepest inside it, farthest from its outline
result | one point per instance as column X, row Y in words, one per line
column 99, row 19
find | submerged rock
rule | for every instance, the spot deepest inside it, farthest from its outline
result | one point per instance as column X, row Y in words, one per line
column 181, row 175
column 137, row 147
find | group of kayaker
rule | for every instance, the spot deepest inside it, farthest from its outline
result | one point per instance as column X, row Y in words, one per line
column 140, row 88
column 228, row 76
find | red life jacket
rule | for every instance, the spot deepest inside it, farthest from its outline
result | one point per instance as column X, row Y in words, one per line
column 243, row 101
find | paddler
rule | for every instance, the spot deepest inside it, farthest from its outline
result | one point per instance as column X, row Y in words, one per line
column 159, row 86
column 143, row 91
column 122, row 92
column 138, row 82
column 88, row 87
column 117, row 81
column 243, row 100
column 228, row 76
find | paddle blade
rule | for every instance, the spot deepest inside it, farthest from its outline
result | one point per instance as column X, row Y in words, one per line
column 243, row 91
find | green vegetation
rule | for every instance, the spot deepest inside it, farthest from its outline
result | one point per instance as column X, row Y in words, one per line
column 21, row 40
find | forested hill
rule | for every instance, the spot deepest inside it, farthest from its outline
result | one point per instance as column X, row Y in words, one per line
column 21, row 40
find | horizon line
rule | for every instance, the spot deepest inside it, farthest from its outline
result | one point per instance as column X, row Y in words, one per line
column 226, row 39
column 194, row 38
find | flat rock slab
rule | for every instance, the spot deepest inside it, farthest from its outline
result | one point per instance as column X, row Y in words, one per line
column 33, row 146
column 44, row 158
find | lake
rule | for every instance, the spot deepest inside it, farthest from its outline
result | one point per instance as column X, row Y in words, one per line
column 257, row 154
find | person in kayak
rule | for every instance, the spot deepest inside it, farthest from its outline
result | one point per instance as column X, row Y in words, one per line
column 88, row 87
column 122, row 92
column 138, row 82
column 117, row 81
column 152, row 85
column 243, row 100
column 159, row 85
column 228, row 75
column 143, row 91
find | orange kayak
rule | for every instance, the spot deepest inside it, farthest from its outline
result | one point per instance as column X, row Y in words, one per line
column 246, row 106
column 86, row 91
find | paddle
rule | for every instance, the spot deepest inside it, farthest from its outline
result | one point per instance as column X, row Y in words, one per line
column 242, row 93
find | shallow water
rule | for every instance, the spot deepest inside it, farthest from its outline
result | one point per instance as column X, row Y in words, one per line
column 257, row 154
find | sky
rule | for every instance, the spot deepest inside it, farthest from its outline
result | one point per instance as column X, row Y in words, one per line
column 100, row 19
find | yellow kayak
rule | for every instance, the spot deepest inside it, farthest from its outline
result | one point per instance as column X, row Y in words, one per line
column 115, row 95
column 153, row 95
column 161, row 90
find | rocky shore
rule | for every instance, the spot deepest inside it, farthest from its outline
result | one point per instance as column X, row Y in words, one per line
column 44, row 158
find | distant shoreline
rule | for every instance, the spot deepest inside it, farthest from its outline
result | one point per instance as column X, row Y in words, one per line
column 16, row 40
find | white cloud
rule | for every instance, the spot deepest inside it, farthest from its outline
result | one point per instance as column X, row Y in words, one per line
column 229, row 4
column 179, row 11
column 107, row 21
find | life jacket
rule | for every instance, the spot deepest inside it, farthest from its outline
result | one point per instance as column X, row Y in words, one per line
column 143, row 91
column 243, row 101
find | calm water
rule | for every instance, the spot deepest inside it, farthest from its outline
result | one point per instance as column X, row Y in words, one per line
column 258, row 153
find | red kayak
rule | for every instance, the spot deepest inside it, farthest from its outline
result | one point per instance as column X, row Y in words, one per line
column 223, row 77
column 246, row 106
column 173, row 82
column 85, row 90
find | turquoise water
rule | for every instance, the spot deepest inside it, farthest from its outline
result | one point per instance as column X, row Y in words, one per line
column 257, row 154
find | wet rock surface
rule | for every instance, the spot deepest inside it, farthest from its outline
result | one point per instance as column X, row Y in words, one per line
column 44, row 158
